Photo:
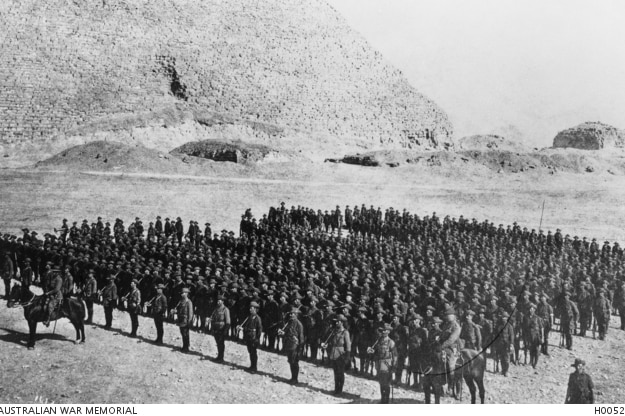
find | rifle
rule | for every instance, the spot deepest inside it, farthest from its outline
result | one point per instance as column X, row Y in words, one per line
column 240, row 327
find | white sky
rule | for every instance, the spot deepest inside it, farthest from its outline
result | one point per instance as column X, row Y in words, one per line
column 539, row 65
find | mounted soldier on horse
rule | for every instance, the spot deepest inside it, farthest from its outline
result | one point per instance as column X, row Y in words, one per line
column 50, row 307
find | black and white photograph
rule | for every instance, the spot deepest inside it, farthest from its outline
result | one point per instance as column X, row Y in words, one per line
column 311, row 202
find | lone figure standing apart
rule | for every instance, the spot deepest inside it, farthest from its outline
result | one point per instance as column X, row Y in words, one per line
column 385, row 355
column 252, row 328
column 580, row 386
column 338, row 346
column 293, row 341
column 185, row 318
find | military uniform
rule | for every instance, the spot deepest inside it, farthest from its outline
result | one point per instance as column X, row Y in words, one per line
column 90, row 295
column 293, row 340
column 184, row 312
column 220, row 325
column 339, row 349
column 109, row 301
column 54, row 296
column 470, row 334
column 134, row 307
column 399, row 334
column 159, row 310
column 532, row 334
column 7, row 275
column 385, row 356
column 602, row 311
column 252, row 329
column 417, row 347
column 580, row 388
column 448, row 340
column 503, row 342
column 567, row 320
column 545, row 312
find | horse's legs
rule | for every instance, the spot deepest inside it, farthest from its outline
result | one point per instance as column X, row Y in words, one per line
column 471, row 384
column 480, row 386
column 32, row 331
column 81, row 328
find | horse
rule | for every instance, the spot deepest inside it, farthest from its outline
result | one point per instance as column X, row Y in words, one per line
column 470, row 366
column 34, row 312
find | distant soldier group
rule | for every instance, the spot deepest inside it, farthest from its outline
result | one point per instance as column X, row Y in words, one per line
column 360, row 289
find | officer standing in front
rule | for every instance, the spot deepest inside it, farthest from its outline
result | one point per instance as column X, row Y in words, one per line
column 109, row 301
column 385, row 356
column 90, row 294
column 252, row 328
column 293, row 341
column 159, row 309
column 339, row 350
column 134, row 306
column 185, row 318
column 220, row 325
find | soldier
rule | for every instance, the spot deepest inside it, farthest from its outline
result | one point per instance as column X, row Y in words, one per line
column 169, row 228
column 293, row 341
column 158, row 226
column 159, row 309
column 385, row 356
column 619, row 303
column 26, row 277
column 109, row 301
column 54, row 296
column 448, row 340
column 567, row 319
column 545, row 312
column 399, row 334
column 179, row 229
column 220, row 325
column 338, row 346
column 134, row 306
column 68, row 283
column 90, row 295
column 7, row 274
column 580, row 387
column 532, row 333
column 184, row 311
column 362, row 335
column 252, row 328
column 64, row 230
column 584, row 299
column 486, row 328
column 602, row 311
column 470, row 332
column 417, row 346
column 504, row 341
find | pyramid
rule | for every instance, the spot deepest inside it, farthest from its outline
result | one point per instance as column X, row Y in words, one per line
column 170, row 71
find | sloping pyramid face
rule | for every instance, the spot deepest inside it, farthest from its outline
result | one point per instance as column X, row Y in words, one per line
column 278, row 67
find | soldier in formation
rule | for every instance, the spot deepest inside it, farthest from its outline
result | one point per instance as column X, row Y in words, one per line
column 384, row 353
column 293, row 339
column 390, row 267
column 220, row 325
